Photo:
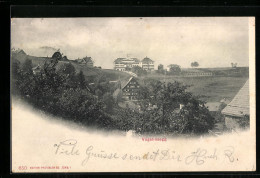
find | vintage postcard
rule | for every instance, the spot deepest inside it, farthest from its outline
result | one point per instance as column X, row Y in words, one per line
column 147, row 94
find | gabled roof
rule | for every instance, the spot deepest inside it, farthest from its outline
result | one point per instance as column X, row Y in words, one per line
column 87, row 59
column 118, row 60
column 135, row 59
column 18, row 51
column 146, row 60
column 239, row 106
column 125, row 82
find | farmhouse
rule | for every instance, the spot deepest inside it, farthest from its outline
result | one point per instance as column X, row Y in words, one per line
column 122, row 64
column 238, row 108
column 127, row 90
column 86, row 61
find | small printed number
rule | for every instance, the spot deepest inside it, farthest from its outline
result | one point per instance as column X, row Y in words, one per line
column 22, row 167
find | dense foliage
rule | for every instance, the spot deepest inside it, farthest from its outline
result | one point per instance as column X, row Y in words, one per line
column 66, row 93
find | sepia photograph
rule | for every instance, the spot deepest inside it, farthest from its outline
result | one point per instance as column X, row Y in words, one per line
column 139, row 94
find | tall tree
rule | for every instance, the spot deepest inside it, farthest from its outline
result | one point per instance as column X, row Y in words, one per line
column 174, row 69
column 195, row 64
column 139, row 71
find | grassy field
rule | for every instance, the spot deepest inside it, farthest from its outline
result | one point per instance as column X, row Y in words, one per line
column 212, row 89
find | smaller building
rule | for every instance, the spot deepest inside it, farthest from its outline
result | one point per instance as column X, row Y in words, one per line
column 127, row 90
column 130, row 89
column 238, row 108
column 86, row 61
column 36, row 70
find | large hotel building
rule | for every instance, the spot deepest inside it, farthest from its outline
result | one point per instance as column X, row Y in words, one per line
column 122, row 63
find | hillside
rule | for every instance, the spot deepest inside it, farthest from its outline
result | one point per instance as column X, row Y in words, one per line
column 90, row 73
column 212, row 88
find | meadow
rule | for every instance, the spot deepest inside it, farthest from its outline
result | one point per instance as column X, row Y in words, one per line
column 211, row 89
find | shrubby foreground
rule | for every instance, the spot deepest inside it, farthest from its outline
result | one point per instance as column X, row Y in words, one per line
column 63, row 92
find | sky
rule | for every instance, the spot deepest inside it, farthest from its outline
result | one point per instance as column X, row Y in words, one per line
column 211, row 41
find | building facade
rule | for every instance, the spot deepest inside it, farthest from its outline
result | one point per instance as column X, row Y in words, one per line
column 238, row 108
column 130, row 89
column 127, row 90
column 188, row 72
column 123, row 64
column 148, row 64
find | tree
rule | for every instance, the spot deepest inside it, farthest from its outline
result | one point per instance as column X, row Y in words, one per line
column 108, row 101
column 195, row 64
column 161, row 69
column 174, row 69
column 244, row 122
column 67, row 69
column 68, row 72
column 139, row 71
column 27, row 66
column 167, row 117
column 81, row 80
column 15, row 68
column 128, row 68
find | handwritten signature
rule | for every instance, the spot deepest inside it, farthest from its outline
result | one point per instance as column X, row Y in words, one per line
column 199, row 157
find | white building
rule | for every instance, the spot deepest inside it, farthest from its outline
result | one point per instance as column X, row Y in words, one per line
column 122, row 64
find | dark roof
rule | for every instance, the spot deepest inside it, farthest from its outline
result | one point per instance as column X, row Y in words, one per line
column 18, row 51
column 135, row 59
column 87, row 59
column 21, row 52
column 146, row 60
column 239, row 106
column 118, row 60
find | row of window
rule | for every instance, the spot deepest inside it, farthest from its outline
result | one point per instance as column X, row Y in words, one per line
column 132, row 86
column 197, row 74
column 132, row 97
column 130, row 89
column 132, row 94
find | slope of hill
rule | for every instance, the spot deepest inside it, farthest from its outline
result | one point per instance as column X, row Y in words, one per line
column 89, row 72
